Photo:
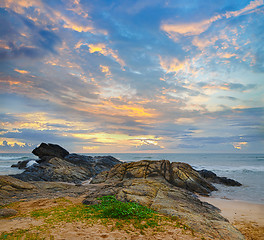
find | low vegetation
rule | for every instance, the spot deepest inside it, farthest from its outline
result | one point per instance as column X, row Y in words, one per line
column 110, row 212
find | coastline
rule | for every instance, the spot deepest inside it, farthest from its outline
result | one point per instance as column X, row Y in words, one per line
column 247, row 217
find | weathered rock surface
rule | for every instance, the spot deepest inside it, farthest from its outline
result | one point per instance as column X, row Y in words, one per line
column 177, row 173
column 95, row 164
column 9, row 183
column 56, row 164
column 55, row 169
column 167, row 188
column 52, row 150
column 167, row 199
column 212, row 177
column 12, row 185
column 74, row 168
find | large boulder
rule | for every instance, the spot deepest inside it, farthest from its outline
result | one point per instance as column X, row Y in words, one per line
column 177, row 173
column 50, row 150
column 212, row 177
column 160, row 195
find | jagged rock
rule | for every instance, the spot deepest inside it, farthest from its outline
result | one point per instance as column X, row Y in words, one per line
column 160, row 195
column 55, row 169
column 177, row 173
column 74, row 168
column 212, row 177
column 94, row 164
column 167, row 188
column 50, row 149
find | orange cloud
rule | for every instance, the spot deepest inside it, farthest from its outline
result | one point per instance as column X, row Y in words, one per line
column 171, row 64
column 106, row 70
column 106, row 51
column 239, row 145
column 225, row 86
column 21, row 71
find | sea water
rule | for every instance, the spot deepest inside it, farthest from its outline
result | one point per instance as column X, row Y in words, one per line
column 248, row 169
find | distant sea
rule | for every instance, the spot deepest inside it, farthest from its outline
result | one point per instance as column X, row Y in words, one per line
column 245, row 168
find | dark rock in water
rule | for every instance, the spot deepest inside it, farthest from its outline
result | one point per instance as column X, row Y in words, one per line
column 178, row 174
column 7, row 212
column 74, row 168
column 212, row 177
column 55, row 169
column 157, row 193
column 49, row 149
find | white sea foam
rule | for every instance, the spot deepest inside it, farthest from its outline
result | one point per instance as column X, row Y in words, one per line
column 30, row 163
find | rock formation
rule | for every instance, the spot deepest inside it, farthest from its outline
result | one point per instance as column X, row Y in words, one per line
column 212, row 177
column 167, row 188
column 177, row 173
column 56, row 164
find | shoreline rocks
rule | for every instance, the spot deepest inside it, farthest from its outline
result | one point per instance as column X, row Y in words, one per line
column 167, row 187
column 212, row 177
column 56, row 164
column 176, row 173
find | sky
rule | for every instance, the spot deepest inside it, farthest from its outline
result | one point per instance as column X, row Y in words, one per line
column 122, row 76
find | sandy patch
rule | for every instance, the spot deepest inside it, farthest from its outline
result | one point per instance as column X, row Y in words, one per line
column 246, row 217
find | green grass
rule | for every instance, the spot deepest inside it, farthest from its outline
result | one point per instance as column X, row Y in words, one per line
column 110, row 207
column 109, row 211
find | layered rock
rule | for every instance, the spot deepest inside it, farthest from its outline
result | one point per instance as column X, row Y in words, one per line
column 9, row 184
column 177, row 173
column 167, row 188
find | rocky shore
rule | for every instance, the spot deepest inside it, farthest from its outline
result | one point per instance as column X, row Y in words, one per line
column 169, row 188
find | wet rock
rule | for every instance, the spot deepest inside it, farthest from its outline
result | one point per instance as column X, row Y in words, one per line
column 24, row 164
column 212, row 177
column 176, row 173
column 50, row 149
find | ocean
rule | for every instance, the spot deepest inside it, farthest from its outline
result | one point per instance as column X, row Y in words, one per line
column 248, row 169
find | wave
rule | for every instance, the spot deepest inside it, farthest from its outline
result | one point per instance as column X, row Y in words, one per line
column 13, row 158
column 231, row 169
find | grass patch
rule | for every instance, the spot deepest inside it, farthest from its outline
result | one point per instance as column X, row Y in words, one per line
column 110, row 207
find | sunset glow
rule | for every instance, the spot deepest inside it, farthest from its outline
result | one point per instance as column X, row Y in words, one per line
column 132, row 76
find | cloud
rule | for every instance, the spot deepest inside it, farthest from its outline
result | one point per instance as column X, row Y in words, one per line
column 174, row 30
column 15, row 147
column 106, row 51
column 21, row 71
